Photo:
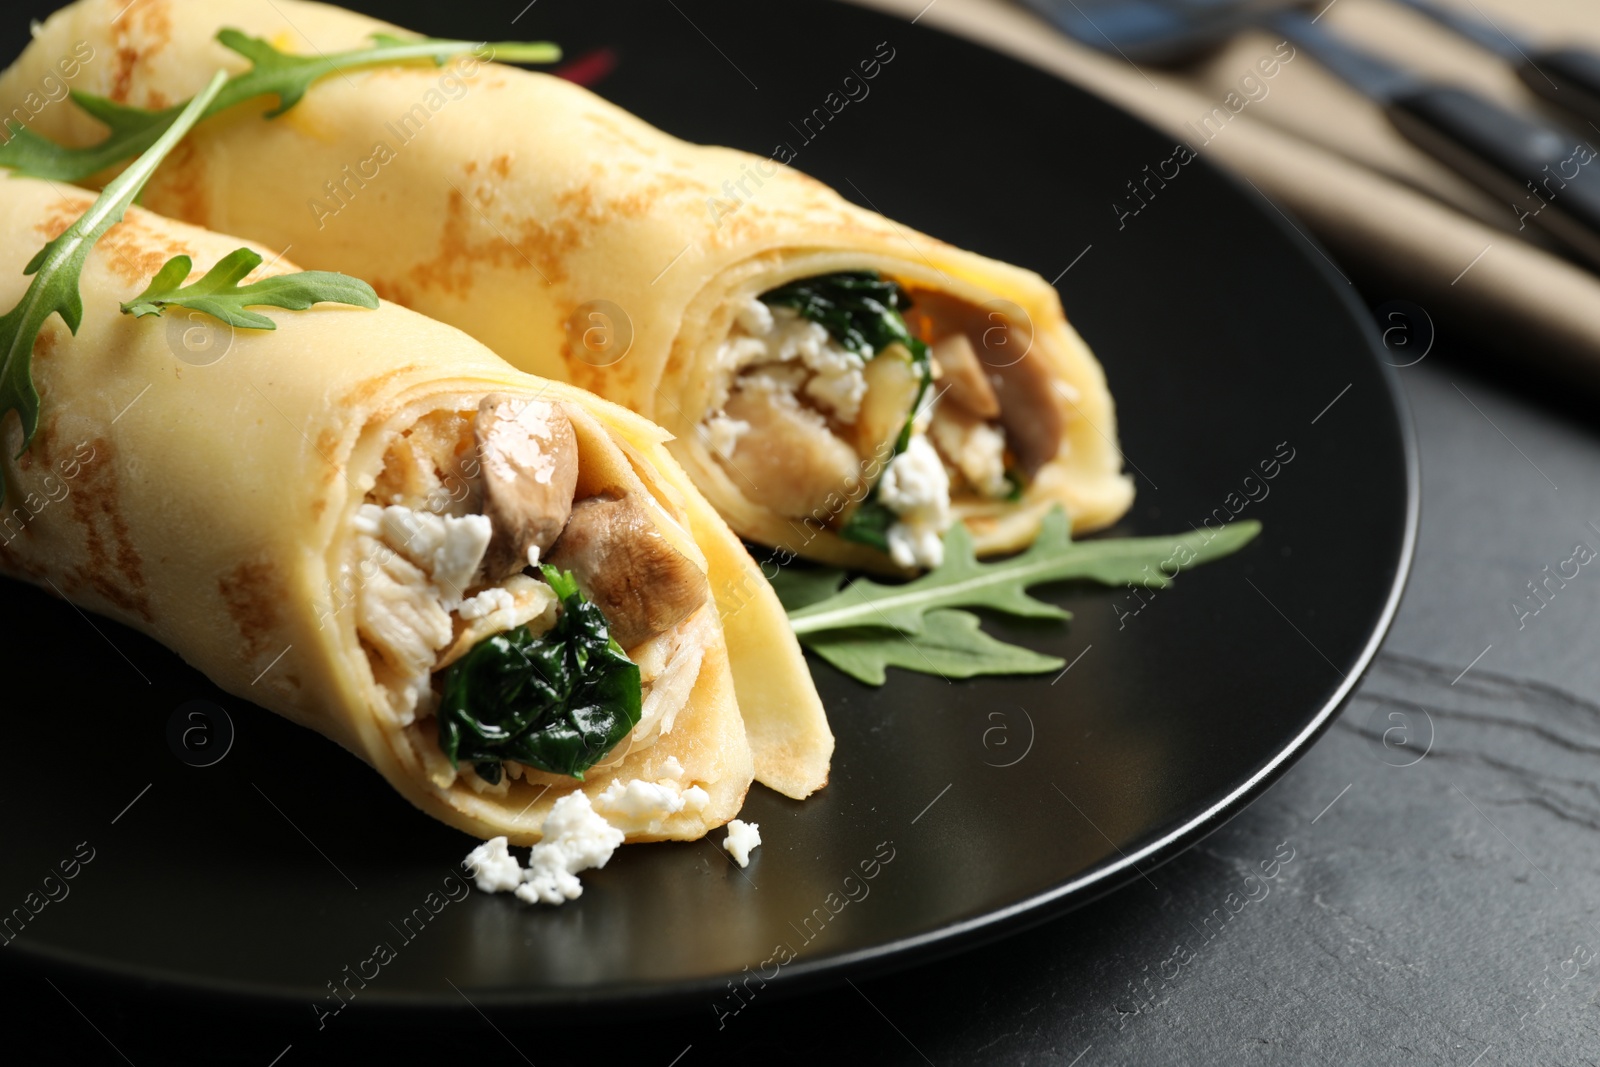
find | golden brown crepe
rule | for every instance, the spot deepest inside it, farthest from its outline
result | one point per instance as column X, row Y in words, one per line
column 582, row 244
column 222, row 490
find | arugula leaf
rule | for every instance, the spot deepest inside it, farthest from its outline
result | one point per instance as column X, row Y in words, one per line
column 132, row 130
column 869, row 627
column 558, row 701
column 220, row 295
column 949, row 644
column 799, row 585
column 283, row 75
column 961, row 581
column 58, row 267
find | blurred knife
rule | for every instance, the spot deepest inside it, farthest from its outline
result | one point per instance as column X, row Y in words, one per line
column 1567, row 77
column 1550, row 176
column 1158, row 32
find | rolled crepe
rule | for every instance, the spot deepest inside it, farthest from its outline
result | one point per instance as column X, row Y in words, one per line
column 584, row 245
column 237, row 495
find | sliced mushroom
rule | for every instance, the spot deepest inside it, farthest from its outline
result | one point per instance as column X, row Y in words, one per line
column 892, row 385
column 641, row 583
column 1026, row 394
column 788, row 461
column 964, row 382
column 1028, row 408
column 529, row 462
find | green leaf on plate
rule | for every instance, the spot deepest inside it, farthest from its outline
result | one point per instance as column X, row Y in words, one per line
column 869, row 626
column 961, row 581
column 949, row 644
column 799, row 585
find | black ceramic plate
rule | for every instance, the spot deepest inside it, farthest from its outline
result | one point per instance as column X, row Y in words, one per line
column 1232, row 346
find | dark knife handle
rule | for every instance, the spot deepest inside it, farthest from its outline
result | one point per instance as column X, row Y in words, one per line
column 1548, row 176
column 1567, row 77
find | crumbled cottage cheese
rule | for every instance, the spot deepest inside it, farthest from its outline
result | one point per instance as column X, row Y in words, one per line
column 767, row 335
column 916, row 487
column 638, row 806
column 575, row 839
column 742, row 838
column 754, row 317
column 779, row 352
column 493, row 867
column 486, row 603
column 579, row 836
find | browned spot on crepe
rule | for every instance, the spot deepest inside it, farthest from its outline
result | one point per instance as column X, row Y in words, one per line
column 112, row 566
column 361, row 396
column 183, row 180
column 62, row 213
column 523, row 244
column 251, row 594
column 134, row 251
column 127, row 58
column 138, row 35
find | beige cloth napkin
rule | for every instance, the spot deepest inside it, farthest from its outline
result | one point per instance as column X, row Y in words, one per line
column 1404, row 225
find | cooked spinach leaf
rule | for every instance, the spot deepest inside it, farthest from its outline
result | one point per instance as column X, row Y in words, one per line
column 869, row 523
column 859, row 309
column 558, row 701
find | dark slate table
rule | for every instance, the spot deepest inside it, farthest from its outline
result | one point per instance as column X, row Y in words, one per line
column 1435, row 896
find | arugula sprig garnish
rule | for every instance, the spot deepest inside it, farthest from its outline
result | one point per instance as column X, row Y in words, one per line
column 284, row 75
column 220, row 295
column 918, row 626
column 58, row 267
column 949, row 645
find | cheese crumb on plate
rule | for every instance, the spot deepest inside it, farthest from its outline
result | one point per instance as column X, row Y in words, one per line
column 742, row 838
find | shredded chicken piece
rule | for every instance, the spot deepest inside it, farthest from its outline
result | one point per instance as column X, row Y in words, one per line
column 669, row 664
column 400, row 615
